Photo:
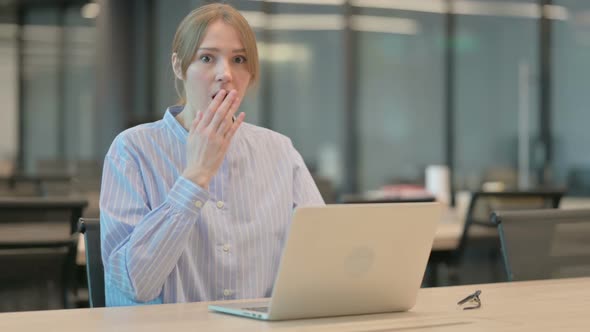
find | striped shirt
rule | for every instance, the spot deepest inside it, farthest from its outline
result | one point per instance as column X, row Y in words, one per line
column 165, row 239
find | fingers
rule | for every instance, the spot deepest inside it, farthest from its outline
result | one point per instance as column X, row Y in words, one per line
column 232, row 130
column 228, row 120
column 212, row 109
column 222, row 112
column 217, row 120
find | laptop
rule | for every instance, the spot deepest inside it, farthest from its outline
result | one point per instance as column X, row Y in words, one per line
column 348, row 260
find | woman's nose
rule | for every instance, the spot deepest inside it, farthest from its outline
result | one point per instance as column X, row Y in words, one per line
column 223, row 72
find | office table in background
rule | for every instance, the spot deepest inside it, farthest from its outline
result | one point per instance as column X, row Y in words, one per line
column 40, row 182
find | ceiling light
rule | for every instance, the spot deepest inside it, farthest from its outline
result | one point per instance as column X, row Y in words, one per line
column 90, row 10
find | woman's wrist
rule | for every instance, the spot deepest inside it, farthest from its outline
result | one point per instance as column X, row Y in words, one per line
column 198, row 179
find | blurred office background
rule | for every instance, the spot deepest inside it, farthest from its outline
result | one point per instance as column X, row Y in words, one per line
column 371, row 92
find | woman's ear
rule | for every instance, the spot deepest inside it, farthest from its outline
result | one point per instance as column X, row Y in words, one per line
column 177, row 66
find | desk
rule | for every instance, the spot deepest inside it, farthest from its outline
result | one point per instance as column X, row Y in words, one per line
column 549, row 305
column 41, row 209
column 34, row 235
column 39, row 181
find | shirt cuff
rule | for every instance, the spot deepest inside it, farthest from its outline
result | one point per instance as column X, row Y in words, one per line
column 187, row 196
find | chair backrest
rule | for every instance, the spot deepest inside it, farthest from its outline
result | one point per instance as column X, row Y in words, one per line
column 484, row 203
column 578, row 181
column 94, row 268
column 544, row 244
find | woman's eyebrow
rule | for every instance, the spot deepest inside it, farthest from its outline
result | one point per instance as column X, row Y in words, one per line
column 215, row 49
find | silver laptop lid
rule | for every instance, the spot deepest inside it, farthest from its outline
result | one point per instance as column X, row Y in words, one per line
column 354, row 259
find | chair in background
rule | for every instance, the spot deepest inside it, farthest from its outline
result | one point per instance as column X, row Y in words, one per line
column 94, row 268
column 541, row 244
column 38, row 245
column 578, row 181
column 477, row 221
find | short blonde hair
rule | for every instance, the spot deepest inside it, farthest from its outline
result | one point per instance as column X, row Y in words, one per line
column 191, row 31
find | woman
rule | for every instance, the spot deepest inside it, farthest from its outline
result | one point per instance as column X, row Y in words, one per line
column 195, row 207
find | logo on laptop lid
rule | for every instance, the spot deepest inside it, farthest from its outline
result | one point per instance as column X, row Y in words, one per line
column 359, row 261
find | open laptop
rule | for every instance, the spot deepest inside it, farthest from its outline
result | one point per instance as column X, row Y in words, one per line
column 348, row 260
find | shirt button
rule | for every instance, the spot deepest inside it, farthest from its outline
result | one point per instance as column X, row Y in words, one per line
column 226, row 247
column 198, row 204
column 220, row 204
column 226, row 292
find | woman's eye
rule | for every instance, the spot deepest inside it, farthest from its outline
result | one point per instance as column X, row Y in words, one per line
column 205, row 59
column 240, row 59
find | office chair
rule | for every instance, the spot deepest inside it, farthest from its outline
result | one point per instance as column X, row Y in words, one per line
column 94, row 268
column 578, row 181
column 541, row 244
column 482, row 204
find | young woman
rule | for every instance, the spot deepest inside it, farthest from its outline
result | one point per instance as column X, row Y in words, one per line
column 196, row 206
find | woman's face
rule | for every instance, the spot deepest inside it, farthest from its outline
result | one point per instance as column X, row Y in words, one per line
column 220, row 63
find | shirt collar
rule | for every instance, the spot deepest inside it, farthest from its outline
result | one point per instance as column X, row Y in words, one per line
column 173, row 124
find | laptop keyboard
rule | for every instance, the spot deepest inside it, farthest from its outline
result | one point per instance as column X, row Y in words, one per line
column 257, row 309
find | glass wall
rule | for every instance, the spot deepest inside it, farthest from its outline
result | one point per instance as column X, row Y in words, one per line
column 58, row 85
column 304, row 54
column 400, row 98
column 496, row 90
column 400, row 93
column 41, row 86
column 398, row 75
column 79, row 85
column 571, row 81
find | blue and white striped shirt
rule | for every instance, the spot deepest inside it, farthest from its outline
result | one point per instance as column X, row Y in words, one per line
column 165, row 239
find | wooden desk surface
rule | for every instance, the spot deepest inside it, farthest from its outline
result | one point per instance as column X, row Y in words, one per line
column 19, row 232
column 45, row 203
column 551, row 305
